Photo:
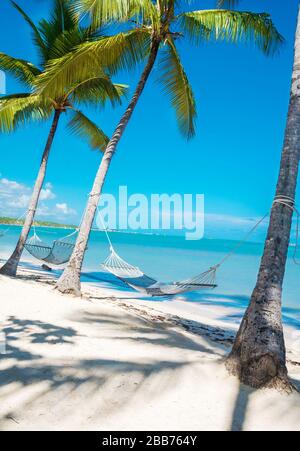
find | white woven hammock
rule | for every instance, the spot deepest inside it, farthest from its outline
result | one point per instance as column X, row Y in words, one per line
column 136, row 279
column 58, row 253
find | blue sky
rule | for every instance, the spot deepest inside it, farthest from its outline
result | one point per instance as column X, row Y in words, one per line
column 242, row 99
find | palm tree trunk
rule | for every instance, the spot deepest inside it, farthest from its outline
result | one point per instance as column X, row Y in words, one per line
column 11, row 266
column 69, row 282
column 258, row 356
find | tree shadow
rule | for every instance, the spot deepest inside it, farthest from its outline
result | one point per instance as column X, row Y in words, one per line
column 240, row 408
column 36, row 331
column 290, row 315
column 295, row 383
column 31, row 376
column 220, row 337
column 156, row 334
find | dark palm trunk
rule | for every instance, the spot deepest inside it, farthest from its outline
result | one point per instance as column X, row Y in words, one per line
column 11, row 266
column 70, row 279
column 258, row 356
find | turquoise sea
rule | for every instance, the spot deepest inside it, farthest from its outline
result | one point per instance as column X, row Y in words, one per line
column 169, row 258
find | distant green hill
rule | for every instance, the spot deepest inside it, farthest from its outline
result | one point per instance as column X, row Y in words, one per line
column 14, row 221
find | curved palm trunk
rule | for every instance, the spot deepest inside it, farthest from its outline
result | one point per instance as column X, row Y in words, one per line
column 11, row 266
column 258, row 356
column 70, row 279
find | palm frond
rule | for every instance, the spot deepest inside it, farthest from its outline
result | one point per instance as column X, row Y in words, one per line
column 22, row 109
column 114, row 53
column 97, row 91
column 233, row 26
column 37, row 37
column 81, row 126
column 22, row 70
column 70, row 40
column 164, row 5
column 20, row 95
column 177, row 86
column 64, row 16
column 63, row 20
column 121, row 89
column 105, row 11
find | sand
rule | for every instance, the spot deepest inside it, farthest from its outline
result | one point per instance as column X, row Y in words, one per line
column 106, row 363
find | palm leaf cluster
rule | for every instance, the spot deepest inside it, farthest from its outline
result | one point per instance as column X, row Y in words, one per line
column 55, row 38
column 166, row 21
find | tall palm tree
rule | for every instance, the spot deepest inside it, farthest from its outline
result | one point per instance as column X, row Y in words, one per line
column 155, row 28
column 53, row 38
column 258, row 356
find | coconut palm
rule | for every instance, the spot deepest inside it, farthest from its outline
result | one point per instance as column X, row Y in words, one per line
column 258, row 356
column 53, row 38
column 154, row 29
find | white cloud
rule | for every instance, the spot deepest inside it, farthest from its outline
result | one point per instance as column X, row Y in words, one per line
column 233, row 220
column 44, row 211
column 47, row 194
column 234, row 227
column 21, row 201
column 11, row 185
column 15, row 197
column 65, row 209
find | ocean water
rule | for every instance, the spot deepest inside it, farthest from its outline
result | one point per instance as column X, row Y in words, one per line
column 171, row 258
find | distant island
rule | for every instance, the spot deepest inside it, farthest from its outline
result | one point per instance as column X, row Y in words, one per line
column 14, row 221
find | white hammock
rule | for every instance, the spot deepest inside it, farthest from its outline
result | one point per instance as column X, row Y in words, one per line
column 136, row 279
column 56, row 254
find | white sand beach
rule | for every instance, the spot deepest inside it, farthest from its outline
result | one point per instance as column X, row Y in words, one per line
column 115, row 118
column 108, row 363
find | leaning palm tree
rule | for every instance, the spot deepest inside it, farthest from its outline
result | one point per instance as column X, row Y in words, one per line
column 258, row 356
column 156, row 26
column 53, row 38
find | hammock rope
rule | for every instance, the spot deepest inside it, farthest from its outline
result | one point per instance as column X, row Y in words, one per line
column 5, row 232
column 57, row 254
column 289, row 202
column 135, row 278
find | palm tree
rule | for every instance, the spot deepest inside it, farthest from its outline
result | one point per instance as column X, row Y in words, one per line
column 155, row 28
column 53, row 38
column 258, row 356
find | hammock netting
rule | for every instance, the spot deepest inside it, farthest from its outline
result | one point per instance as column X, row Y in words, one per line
column 135, row 278
column 56, row 254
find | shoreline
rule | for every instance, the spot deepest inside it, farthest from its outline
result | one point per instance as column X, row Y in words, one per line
column 222, row 311
column 217, row 322
column 40, row 226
